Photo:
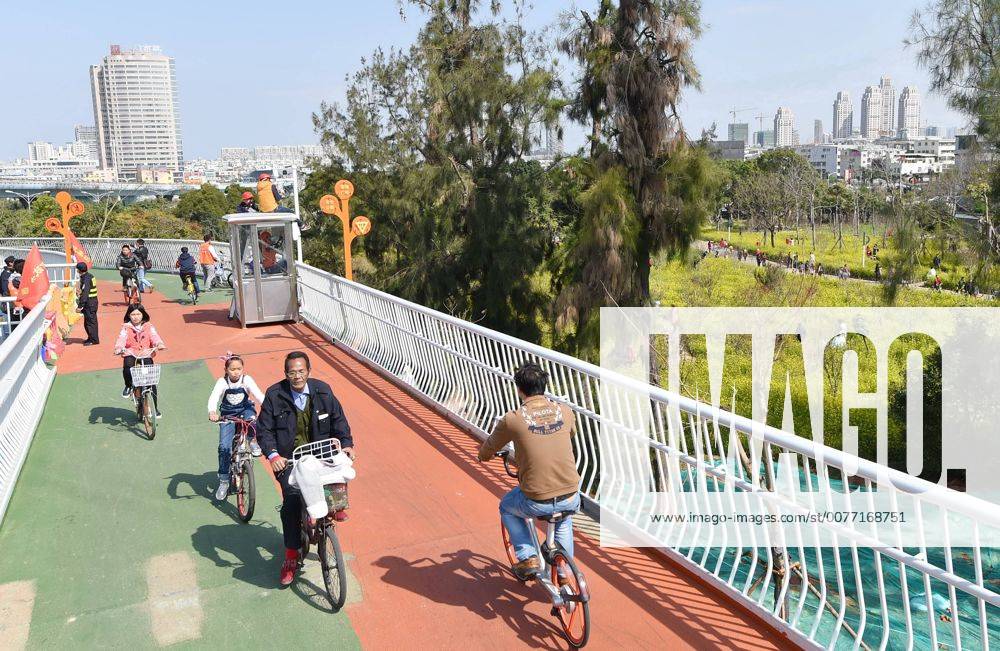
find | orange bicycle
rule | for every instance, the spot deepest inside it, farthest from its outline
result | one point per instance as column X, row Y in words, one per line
column 570, row 597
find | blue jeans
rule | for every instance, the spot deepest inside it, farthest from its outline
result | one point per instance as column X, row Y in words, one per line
column 227, row 431
column 140, row 279
column 515, row 507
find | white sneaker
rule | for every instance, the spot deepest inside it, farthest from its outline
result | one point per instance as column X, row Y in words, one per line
column 223, row 490
column 254, row 448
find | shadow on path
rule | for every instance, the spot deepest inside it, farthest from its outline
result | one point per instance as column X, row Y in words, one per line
column 479, row 584
column 117, row 418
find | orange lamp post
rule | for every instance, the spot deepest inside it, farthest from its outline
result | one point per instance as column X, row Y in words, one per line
column 70, row 209
column 338, row 204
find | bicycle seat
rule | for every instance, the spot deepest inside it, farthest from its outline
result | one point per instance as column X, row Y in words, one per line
column 555, row 517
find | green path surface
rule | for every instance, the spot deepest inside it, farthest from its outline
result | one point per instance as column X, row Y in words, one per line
column 98, row 508
column 170, row 286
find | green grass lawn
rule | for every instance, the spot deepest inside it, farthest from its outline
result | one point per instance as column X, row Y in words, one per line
column 832, row 255
column 725, row 282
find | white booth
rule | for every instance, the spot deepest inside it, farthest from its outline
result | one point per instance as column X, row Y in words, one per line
column 263, row 253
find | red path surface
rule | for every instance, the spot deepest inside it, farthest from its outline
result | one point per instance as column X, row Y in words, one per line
column 423, row 531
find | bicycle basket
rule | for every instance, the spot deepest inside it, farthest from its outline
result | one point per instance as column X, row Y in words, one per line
column 336, row 496
column 323, row 450
column 145, row 375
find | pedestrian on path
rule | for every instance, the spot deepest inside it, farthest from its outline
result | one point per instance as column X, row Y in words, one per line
column 208, row 257
column 145, row 264
column 8, row 270
column 87, row 304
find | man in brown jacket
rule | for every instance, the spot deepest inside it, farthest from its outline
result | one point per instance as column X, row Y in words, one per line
column 542, row 432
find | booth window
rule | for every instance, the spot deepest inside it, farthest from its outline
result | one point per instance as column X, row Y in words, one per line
column 273, row 259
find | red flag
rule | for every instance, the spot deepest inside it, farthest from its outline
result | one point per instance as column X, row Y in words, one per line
column 77, row 250
column 34, row 280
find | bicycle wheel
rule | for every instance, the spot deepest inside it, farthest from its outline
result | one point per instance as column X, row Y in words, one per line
column 509, row 548
column 574, row 616
column 331, row 560
column 246, row 496
column 149, row 414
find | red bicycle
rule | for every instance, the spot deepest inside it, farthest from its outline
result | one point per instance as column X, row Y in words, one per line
column 241, row 466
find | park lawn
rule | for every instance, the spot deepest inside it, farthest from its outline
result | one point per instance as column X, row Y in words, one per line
column 723, row 282
column 832, row 256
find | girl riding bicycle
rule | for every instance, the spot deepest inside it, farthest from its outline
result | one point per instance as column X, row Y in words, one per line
column 234, row 390
column 137, row 341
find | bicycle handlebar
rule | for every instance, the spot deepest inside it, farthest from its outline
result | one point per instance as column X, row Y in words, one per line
column 505, row 455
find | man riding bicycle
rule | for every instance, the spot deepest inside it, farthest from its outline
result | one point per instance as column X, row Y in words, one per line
column 127, row 265
column 296, row 411
column 541, row 431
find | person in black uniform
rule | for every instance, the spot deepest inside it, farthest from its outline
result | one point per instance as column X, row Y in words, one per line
column 87, row 304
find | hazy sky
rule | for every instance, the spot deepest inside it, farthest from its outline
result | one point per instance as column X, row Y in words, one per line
column 252, row 72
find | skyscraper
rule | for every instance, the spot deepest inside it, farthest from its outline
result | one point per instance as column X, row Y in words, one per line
column 871, row 113
column 135, row 112
column 87, row 134
column 739, row 131
column 764, row 138
column 843, row 116
column 888, row 127
column 817, row 132
column 909, row 113
column 784, row 128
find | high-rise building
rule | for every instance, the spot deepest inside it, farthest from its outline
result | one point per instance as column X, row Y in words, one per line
column 871, row 113
column 784, row 128
column 843, row 116
column 40, row 150
column 87, row 134
column 909, row 113
column 888, row 127
column 817, row 132
column 739, row 131
column 764, row 138
column 135, row 112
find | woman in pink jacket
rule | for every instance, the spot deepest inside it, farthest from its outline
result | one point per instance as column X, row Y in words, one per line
column 138, row 340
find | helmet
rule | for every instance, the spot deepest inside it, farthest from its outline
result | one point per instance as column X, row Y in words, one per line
column 81, row 267
column 264, row 177
column 247, row 195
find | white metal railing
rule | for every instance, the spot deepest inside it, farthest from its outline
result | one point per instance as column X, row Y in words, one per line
column 104, row 252
column 24, row 385
column 863, row 592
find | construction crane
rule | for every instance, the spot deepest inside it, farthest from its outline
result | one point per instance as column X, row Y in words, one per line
column 742, row 110
column 760, row 118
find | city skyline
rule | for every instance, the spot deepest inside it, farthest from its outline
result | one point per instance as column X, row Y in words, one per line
column 134, row 91
column 801, row 70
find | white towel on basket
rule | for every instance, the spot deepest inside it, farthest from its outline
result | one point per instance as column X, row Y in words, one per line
column 310, row 474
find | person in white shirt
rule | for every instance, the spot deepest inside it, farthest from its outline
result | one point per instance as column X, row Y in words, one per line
column 232, row 397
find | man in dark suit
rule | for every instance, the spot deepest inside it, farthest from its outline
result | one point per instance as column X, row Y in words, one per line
column 296, row 411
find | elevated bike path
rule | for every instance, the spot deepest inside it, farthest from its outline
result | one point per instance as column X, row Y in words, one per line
column 113, row 541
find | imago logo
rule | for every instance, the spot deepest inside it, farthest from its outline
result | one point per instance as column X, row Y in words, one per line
column 903, row 388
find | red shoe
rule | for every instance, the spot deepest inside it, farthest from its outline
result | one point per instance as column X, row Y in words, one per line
column 289, row 566
column 340, row 516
